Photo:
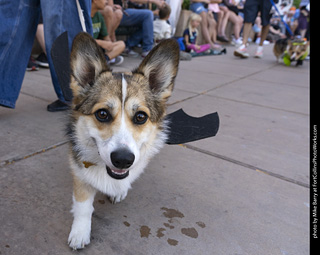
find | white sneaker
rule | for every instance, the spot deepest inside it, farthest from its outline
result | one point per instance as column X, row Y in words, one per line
column 130, row 53
column 118, row 60
column 241, row 52
column 265, row 42
column 259, row 52
column 237, row 42
column 144, row 54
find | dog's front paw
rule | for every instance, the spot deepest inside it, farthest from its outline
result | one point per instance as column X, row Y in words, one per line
column 117, row 198
column 79, row 236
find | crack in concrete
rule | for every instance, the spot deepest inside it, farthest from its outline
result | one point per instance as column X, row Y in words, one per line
column 257, row 169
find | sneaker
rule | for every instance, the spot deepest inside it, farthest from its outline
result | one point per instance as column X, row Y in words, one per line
column 259, row 53
column 32, row 66
column 42, row 60
column 118, row 60
column 144, row 53
column 129, row 53
column 236, row 42
column 265, row 42
column 241, row 52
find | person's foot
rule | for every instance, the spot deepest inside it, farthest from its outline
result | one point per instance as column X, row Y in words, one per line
column 265, row 42
column 32, row 66
column 118, row 60
column 144, row 53
column 57, row 106
column 241, row 52
column 259, row 52
column 42, row 60
column 237, row 42
column 222, row 38
column 129, row 53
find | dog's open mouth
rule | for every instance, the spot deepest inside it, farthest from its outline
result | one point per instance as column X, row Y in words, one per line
column 118, row 174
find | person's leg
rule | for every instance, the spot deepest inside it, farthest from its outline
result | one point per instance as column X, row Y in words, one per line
column 144, row 20
column 251, row 9
column 18, row 24
column 212, row 27
column 112, row 19
column 204, row 29
column 265, row 21
column 107, row 14
column 118, row 48
column 60, row 16
column 40, row 37
column 237, row 24
column 224, row 20
column 117, row 16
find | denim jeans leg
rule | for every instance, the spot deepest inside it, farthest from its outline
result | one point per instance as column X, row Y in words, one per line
column 144, row 20
column 18, row 24
column 60, row 16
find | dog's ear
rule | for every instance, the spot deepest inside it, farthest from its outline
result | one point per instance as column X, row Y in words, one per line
column 160, row 67
column 87, row 61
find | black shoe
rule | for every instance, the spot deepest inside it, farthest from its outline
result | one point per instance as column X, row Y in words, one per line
column 42, row 60
column 57, row 106
column 222, row 38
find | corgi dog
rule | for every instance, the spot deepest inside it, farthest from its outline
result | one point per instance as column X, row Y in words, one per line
column 288, row 51
column 117, row 123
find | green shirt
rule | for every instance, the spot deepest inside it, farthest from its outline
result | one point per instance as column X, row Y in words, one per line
column 99, row 26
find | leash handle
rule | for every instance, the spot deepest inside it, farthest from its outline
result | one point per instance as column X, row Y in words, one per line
column 286, row 25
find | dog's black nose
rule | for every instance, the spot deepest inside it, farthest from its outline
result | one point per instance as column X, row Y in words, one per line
column 122, row 159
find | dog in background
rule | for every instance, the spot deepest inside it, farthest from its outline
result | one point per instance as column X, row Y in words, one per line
column 287, row 51
column 117, row 123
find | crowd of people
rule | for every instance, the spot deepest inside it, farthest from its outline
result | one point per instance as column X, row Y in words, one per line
column 153, row 20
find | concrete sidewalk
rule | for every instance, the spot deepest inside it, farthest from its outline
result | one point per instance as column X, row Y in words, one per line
column 245, row 191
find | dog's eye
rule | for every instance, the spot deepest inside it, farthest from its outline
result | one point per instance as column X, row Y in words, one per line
column 103, row 115
column 140, row 118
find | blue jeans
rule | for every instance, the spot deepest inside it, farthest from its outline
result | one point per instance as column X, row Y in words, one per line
column 142, row 18
column 18, row 24
column 198, row 8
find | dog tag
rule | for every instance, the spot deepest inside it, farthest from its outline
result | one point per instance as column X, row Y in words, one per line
column 184, row 128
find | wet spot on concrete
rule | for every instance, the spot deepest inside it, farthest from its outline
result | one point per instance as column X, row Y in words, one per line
column 127, row 224
column 160, row 232
column 172, row 242
column 172, row 213
column 168, row 225
column 144, row 231
column 191, row 232
column 201, row 224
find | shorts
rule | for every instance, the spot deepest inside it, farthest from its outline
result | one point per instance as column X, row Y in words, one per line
column 198, row 8
column 251, row 9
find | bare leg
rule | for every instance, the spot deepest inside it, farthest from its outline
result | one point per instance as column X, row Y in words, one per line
column 224, row 20
column 118, row 48
column 264, row 34
column 40, row 37
column 204, row 28
column 246, row 31
column 112, row 19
